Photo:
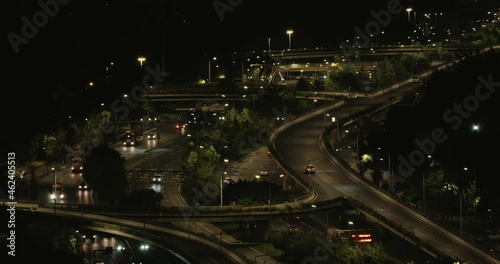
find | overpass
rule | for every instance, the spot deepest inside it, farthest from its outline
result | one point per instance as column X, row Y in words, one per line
column 387, row 50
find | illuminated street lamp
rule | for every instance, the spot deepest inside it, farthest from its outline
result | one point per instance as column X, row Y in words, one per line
column 408, row 10
column 475, row 128
column 289, row 32
column 141, row 60
column 221, row 182
column 89, row 85
column 210, row 69
column 268, row 202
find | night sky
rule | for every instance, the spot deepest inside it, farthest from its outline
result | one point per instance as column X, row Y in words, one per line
column 48, row 70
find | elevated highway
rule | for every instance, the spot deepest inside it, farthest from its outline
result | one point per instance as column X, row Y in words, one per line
column 284, row 55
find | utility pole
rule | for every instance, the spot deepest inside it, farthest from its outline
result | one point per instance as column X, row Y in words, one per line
column 460, row 196
column 423, row 191
column 221, row 191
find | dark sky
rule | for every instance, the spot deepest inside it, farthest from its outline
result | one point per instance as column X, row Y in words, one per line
column 74, row 41
column 79, row 38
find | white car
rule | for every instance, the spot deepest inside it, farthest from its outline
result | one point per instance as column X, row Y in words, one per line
column 152, row 135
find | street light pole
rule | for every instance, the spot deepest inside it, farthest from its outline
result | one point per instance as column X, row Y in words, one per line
column 408, row 10
column 289, row 32
column 269, row 193
column 54, row 195
column 221, row 181
column 210, row 69
column 460, row 196
column 269, row 207
column 268, row 215
column 220, row 191
column 423, row 191
column 141, row 60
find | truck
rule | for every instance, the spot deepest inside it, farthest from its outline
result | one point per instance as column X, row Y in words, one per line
column 77, row 164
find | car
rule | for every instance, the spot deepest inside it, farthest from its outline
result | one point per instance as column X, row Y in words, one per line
column 157, row 179
column 415, row 79
column 57, row 191
column 310, row 169
column 228, row 180
column 129, row 142
column 82, row 185
column 180, row 125
column 152, row 135
column 263, row 172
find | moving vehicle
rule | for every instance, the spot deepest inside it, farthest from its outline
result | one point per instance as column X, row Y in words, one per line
column 310, row 169
column 152, row 135
column 57, row 192
column 263, row 172
column 180, row 125
column 157, row 179
column 131, row 138
column 82, row 185
column 77, row 164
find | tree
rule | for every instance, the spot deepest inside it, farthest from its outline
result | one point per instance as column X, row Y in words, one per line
column 361, row 254
column 148, row 109
column 472, row 196
column 55, row 145
column 347, row 77
column 384, row 74
column 299, row 245
column 93, row 131
column 274, row 96
column 104, row 171
column 302, row 84
column 203, row 170
column 318, row 85
column 400, row 71
column 214, row 137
